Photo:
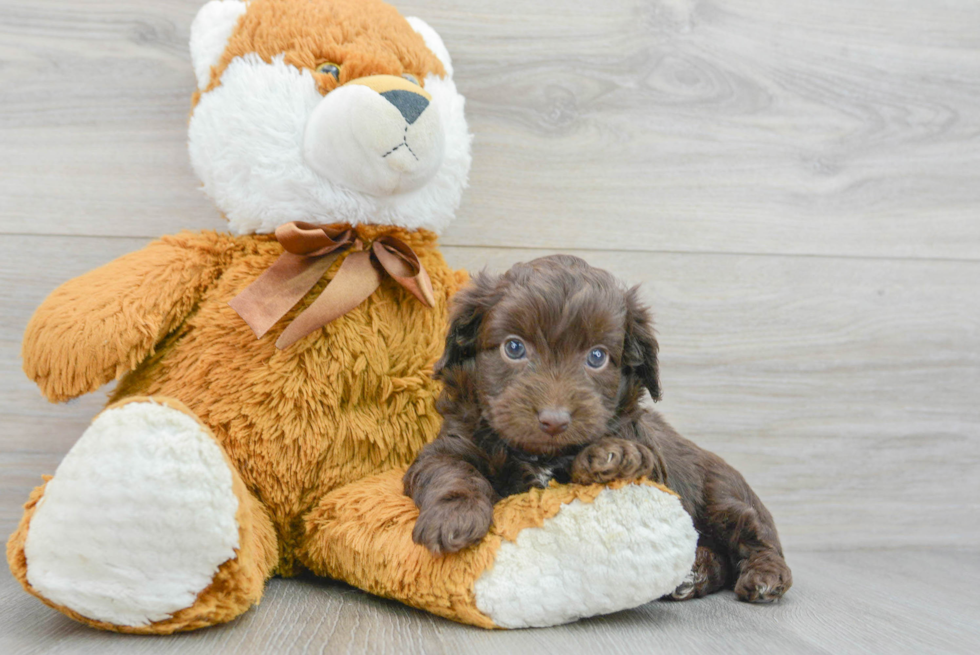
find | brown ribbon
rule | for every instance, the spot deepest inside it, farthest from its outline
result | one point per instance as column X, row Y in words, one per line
column 310, row 250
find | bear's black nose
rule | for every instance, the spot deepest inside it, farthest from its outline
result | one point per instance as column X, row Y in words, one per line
column 410, row 104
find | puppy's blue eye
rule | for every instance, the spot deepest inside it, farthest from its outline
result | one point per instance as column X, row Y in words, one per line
column 514, row 349
column 596, row 358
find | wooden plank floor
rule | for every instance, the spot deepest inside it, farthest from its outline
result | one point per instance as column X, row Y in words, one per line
column 854, row 602
column 795, row 186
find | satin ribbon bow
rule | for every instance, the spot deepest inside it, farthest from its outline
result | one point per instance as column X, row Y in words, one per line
column 310, row 250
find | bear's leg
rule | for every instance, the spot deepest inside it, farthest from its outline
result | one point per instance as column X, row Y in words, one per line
column 552, row 555
column 145, row 527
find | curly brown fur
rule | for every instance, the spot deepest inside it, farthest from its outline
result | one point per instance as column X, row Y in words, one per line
column 518, row 416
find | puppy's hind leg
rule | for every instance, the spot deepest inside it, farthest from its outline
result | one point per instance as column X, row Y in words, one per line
column 740, row 520
column 712, row 571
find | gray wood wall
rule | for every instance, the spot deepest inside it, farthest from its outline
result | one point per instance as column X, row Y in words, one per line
column 795, row 184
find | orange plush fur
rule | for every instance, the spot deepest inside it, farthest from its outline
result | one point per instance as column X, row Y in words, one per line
column 353, row 399
column 370, row 544
column 369, row 38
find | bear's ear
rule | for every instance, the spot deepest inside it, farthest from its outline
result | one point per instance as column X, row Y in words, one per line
column 433, row 42
column 210, row 31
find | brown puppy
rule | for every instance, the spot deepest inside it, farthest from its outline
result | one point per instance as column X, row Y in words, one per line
column 544, row 371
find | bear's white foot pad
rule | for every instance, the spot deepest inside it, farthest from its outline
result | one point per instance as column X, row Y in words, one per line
column 626, row 548
column 137, row 519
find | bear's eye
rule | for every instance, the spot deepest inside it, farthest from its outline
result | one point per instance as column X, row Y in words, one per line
column 597, row 358
column 411, row 78
column 513, row 348
column 328, row 68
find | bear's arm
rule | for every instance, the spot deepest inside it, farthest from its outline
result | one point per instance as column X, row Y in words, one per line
column 103, row 324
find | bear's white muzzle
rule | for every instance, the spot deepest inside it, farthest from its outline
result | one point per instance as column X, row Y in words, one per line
column 379, row 135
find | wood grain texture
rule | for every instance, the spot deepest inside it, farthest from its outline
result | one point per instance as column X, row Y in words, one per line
column 760, row 127
column 859, row 602
column 793, row 183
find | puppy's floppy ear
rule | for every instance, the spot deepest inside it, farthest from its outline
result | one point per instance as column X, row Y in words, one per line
column 640, row 347
column 470, row 306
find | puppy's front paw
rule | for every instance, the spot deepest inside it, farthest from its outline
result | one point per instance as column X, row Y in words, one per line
column 765, row 577
column 451, row 525
column 613, row 459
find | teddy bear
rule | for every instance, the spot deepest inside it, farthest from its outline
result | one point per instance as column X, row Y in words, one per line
column 275, row 380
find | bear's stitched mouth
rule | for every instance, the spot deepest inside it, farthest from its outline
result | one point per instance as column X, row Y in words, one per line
column 403, row 144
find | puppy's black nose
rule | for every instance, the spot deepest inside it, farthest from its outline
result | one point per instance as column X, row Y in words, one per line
column 554, row 421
